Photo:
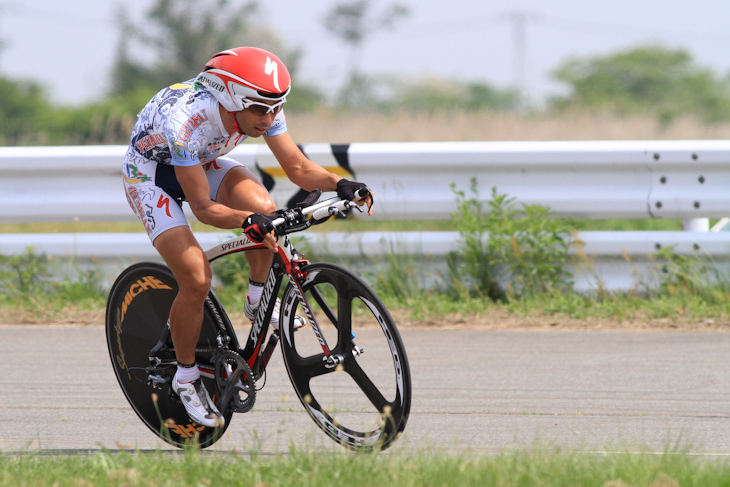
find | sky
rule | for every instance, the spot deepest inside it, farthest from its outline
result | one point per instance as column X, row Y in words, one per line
column 70, row 46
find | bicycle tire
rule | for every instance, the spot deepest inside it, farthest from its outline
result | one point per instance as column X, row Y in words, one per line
column 367, row 407
column 137, row 311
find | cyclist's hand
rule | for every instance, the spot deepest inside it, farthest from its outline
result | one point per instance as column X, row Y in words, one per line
column 347, row 190
column 260, row 229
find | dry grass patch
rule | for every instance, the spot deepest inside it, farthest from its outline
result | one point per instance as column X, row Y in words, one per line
column 334, row 127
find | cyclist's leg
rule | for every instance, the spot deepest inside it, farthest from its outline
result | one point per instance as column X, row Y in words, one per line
column 187, row 261
column 168, row 229
column 237, row 187
column 183, row 255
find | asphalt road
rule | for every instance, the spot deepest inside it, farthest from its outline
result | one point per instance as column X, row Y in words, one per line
column 478, row 390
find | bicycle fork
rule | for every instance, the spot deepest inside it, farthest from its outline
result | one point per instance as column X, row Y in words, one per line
column 297, row 276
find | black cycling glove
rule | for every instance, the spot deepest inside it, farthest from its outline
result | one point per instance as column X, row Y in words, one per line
column 346, row 189
column 256, row 226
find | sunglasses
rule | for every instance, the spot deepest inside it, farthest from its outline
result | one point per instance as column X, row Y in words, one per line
column 260, row 109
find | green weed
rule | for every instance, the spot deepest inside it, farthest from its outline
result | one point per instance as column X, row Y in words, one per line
column 508, row 252
column 26, row 282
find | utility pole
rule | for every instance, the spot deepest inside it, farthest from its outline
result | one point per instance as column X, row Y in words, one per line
column 2, row 41
column 4, row 7
column 519, row 20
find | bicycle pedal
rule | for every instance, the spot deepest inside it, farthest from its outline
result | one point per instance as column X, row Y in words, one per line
column 156, row 381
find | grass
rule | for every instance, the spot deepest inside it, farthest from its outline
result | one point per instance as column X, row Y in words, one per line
column 333, row 127
column 687, row 300
column 545, row 468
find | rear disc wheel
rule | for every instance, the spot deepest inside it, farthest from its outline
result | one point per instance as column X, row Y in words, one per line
column 136, row 315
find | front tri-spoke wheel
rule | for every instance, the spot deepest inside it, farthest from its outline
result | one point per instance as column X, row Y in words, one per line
column 361, row 396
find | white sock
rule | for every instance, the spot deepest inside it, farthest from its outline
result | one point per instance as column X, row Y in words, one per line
column 255, row 290
column 187, row 374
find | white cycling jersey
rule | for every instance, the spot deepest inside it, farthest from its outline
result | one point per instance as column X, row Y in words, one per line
column 180, row 126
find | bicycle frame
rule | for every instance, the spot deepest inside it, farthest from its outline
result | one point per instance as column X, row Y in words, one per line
column 286, row 261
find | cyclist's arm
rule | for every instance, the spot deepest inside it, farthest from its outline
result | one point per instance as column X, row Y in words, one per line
column 197, row 193
column 301, row 171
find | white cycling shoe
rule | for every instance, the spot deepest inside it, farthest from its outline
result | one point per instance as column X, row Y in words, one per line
column 250, row 313
column 197, row 403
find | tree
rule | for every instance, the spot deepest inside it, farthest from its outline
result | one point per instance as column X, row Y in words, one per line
column 22, row 104
column 182, row 36
column 649, row 79
column 436, row 95
column 352, row 22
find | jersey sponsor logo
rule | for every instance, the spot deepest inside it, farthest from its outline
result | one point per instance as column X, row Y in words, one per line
column 149, row 219
column 212, row 165
column 180, row 150
column 138, row 287
column 186, row 132
column 163, row 201
column 272, row 68
column 147, row 143
column 132, row 174
column 135, row 201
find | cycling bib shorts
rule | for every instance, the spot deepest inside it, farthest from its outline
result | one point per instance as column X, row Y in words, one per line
column 157, row 201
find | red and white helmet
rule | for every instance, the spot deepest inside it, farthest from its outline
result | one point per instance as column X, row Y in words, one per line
column 236, row 76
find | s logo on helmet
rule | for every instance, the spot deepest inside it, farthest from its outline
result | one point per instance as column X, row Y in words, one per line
column 272, row 67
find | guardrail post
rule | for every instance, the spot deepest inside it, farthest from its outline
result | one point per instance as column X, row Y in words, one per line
column 696, row 225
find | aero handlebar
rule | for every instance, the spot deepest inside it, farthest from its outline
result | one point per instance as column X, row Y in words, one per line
column 293, row 220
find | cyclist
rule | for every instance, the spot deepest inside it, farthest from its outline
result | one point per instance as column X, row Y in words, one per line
column 175, row 154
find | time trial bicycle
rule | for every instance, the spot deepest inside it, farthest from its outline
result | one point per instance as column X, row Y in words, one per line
column 359, row 396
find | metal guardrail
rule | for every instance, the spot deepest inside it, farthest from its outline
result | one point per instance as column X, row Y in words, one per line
column 592, row 180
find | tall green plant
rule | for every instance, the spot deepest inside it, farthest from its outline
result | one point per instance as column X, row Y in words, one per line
column 26, row 280
column 472, row 267
column 508, row 251
column 23, row 275
column 691, row 276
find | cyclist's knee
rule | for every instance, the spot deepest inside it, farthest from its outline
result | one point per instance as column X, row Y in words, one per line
column 265, row 205
column 195, row 284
